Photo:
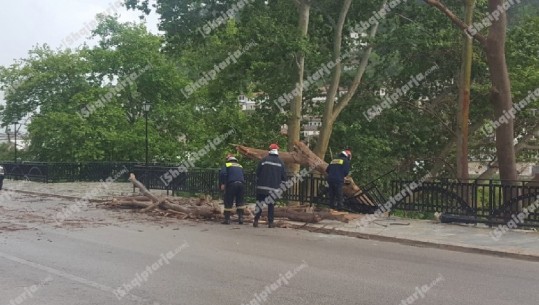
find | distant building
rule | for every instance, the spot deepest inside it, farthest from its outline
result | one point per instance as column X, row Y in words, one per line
column 246, row 103
column 311, row 124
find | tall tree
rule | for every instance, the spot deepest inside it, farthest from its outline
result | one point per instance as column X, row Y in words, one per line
column 494, row 46
column 328, row 38
column 336, row 104
column 463, row 114
column 296, row 107
column 89, row 101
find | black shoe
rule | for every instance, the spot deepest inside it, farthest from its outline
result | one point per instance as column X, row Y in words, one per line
column 240, row 217
column 271, row 225
column 227, row 219
column 255, row 223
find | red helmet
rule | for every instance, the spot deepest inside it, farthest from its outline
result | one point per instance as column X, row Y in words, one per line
column 347, row 153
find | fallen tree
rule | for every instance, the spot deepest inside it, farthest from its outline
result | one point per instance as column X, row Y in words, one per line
column 207, row 208
column 303, row 156
column 189, row 208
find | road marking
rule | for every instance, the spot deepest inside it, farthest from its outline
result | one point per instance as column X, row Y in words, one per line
column 71, row 277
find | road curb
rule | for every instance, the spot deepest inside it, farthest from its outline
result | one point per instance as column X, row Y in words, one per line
column 417, row 243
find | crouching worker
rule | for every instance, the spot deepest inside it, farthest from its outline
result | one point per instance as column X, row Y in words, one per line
column 231, row 181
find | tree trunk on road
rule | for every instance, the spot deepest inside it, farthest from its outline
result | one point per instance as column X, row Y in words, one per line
column 302, row 155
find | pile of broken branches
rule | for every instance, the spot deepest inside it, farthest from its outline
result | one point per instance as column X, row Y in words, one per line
column 203, row 208
column 206, row 208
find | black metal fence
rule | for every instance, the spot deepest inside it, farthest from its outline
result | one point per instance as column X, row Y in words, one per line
column 477, row 201
column 68, row 172
column 485, row 201
column 312, row 189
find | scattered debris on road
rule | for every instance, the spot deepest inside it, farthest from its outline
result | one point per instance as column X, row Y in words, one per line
column 208, row 209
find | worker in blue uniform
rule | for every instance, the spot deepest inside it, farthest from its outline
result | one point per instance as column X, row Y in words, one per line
column 337, row 170
column 232, row 180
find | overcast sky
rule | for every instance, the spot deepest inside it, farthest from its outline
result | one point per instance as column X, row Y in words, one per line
column 25, row 23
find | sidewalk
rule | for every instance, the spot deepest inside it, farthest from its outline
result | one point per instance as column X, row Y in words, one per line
column 520, row 244
column 94, row 191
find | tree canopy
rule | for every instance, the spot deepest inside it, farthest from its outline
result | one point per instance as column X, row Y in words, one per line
column 87, row 103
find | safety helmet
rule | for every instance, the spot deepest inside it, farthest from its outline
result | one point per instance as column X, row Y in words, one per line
column 274, row 149
column 273, row 146
column 347, row 153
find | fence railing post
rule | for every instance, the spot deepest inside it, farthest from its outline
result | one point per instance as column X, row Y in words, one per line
column 491, row 196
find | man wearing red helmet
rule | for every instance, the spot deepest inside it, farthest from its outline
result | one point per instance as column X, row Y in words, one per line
column 231, row 180
column 270, row 173
column 337, row 170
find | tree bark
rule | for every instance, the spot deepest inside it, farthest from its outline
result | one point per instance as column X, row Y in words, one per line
column 464, row 98
column 145, row 192
column 335, row 105
column 501, row 93
column 456, row 21
column 522, row 144
column 446, row 150
column 327, row 117
column 302, row 155
column 294, row 121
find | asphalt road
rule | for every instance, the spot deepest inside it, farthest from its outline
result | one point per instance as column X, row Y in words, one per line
column 156, row 260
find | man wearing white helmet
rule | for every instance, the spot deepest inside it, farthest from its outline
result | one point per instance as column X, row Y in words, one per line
column 337, row 170
column 270, row 173
column 231, row 180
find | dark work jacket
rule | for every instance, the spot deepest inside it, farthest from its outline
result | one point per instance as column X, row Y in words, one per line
column 231, row 172
column 269, row 174
column 338, row 169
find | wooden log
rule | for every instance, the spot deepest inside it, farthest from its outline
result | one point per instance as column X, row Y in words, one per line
column 197, row 211
column 208, row 209
column 343, row 217
column 130, row 204
column 142, row 188
column 294, row 216
column 144, row 191
column 136, row 197
column 197, row 208
column 305, row 157
column 302, row 213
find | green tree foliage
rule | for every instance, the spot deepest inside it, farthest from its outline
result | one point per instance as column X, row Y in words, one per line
column 414, row 136
column 87, row 104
